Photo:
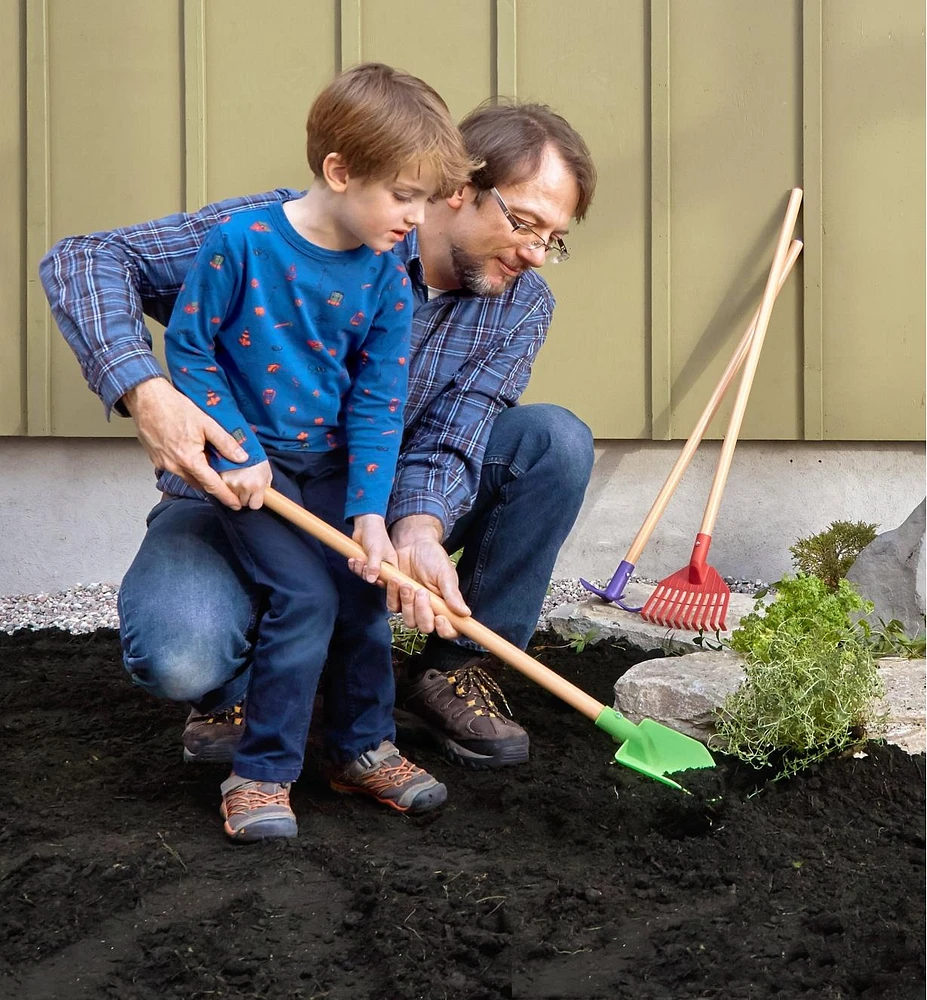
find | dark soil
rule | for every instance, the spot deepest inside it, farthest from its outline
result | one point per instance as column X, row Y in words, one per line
column 569, row 877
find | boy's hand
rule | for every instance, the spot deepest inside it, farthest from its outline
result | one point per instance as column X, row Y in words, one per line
column 249, row 484
column 370, row 534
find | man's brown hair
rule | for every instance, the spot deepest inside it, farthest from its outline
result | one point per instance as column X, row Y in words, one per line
column 510, row 139
column 380, row 120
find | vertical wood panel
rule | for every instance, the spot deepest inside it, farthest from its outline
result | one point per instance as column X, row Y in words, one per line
column 874, row 213
column 506, row 54
column 194, row 98
column 38, row 327
column 812, row 211
column 259, row 85
column 596, row 360
column 448, row 44
column 13, row 274
column 736, row 107
column 351, row 49
column 661, row 309
column 116, row 134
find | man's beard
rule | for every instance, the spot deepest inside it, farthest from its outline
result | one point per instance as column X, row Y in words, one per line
column 470, row 272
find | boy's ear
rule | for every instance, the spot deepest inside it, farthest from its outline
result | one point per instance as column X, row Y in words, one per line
column 335, row 172
column 457, row 198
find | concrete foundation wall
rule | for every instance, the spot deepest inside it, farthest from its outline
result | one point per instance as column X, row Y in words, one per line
column 73, row 510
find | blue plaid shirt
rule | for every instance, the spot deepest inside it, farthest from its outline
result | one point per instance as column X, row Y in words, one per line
column 471, row 355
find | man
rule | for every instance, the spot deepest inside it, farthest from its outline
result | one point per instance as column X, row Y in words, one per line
column 504, row 483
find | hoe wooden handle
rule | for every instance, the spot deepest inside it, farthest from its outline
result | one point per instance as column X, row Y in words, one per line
column 711, row 408
column 469, row 627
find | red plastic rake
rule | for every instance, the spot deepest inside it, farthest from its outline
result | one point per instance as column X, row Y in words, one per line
column 696, row 597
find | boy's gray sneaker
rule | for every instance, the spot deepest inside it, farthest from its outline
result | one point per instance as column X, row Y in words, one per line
column 385, row 775
column 458, row 709
column 212, row 738
column 256, row 810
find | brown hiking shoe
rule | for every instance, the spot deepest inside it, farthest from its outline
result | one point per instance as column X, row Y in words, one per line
column 459, row 711
column 213, row 738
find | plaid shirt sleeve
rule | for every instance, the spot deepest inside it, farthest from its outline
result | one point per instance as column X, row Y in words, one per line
column 100, row 287
column 439, row 467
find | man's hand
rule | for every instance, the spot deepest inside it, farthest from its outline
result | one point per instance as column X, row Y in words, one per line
column 417, row 539
column 370, row 534
column 174, row 432
column 249, row 484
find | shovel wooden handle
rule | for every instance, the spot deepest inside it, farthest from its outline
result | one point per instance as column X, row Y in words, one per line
column 472, row 629
column 698, row 432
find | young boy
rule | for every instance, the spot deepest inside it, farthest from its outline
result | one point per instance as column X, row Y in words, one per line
column 292, row 330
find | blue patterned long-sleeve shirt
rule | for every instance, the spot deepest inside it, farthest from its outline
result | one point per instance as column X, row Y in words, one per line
column 299, row 348
column 471, row 355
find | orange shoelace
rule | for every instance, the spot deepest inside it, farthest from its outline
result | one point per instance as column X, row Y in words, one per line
column 246, row 800
column 386, row 776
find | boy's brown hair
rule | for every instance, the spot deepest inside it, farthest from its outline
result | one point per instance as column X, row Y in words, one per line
column 381, row 119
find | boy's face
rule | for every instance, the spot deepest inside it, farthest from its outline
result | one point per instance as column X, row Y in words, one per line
column 381, row 213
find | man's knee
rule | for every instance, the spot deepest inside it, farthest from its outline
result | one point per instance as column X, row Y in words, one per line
column 181, row 667
column 550, row 437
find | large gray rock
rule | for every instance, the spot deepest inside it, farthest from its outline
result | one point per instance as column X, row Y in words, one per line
column 890, row 572
column 684, row 693
column 600, row 620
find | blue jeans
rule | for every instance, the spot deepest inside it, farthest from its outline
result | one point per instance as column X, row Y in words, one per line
column 189, row 613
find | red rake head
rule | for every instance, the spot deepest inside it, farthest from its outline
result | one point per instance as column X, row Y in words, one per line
column 680, row 602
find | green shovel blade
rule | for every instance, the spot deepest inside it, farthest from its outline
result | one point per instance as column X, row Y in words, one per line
column 652, row 748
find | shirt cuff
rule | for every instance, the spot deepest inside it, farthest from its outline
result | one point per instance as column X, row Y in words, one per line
column 420, row 502
column 115, row 372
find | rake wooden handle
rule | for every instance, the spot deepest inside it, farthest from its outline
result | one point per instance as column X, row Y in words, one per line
column 502, row 648
column 711, row 408
column 750, row 364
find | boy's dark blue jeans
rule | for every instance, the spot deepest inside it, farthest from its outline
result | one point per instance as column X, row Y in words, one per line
column 189, row 613
column 315, row 611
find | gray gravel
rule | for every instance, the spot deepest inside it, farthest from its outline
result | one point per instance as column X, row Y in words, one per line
column 87, row 608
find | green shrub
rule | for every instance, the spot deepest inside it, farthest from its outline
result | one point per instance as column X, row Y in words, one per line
column 811, row 682
column 829, row 554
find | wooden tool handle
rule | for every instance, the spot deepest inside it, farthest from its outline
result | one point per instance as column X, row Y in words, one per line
column 695, row 438
column 750, row 363
column 469, row 627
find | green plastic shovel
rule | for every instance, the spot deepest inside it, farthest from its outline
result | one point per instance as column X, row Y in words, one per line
column 648, row 747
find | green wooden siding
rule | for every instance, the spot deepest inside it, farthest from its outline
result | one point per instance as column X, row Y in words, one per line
column 701, row 116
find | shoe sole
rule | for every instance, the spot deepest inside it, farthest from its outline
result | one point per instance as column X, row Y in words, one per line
column 514, row 751
column 212, row 754
column 425, row 801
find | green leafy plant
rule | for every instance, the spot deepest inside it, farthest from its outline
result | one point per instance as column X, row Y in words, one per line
column 890, row 639
column 576, row 640
column 811, row 682
column 408, row 641
column 830, row 553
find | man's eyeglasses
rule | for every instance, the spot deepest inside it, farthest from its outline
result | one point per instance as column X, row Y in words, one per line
column 555, row 249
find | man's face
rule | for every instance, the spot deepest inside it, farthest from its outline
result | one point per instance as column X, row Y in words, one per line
column 486, row 255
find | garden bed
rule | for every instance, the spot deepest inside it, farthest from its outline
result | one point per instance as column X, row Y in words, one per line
column 570, row 877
